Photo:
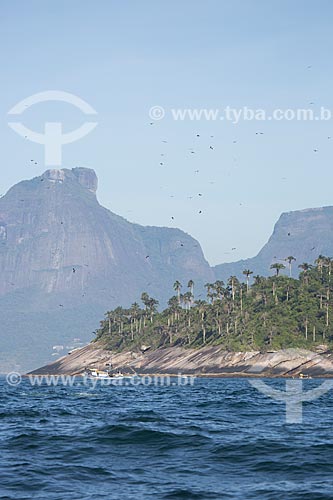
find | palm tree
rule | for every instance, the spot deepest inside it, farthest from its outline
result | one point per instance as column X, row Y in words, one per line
column 247, row 273
column 290, row 259
column 177, row 287
column 110, row 318
column 210, row 294
column 216, row 312
column 190, row 285
column 119, row 318
column 305, row 268
column 152, row 307
column 320, row 263
column 328, row 264
column 134, row 313
column 201, row 307
column 145, row 299
column 233, row 282
column 174, row 307
column 187, row 298
column 278, row 267
column 219, row 289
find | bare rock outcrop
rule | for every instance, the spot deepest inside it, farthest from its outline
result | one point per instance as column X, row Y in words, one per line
column 207, row 361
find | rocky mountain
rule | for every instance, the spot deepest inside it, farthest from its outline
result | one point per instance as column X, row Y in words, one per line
column 65, row 259
column 303, row 234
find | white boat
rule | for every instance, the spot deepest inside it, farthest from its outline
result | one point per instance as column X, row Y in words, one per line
column 105, row 375
column 303, row 376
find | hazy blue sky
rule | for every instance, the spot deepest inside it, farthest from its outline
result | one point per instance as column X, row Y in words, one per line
column 125, row 56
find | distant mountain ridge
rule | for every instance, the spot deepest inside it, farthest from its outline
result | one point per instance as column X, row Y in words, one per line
column 303, row 234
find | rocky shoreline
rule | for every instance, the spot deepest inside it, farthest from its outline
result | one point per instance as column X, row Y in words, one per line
column 207, row 361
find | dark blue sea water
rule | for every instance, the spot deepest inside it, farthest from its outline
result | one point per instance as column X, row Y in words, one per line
column 218, row 439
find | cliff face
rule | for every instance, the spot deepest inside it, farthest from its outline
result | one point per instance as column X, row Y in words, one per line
column 304, row 234
column 65, row 259
column 55, row 237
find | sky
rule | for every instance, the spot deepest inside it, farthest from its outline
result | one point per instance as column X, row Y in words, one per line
column 125, row 57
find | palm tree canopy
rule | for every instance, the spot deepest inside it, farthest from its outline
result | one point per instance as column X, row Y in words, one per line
column 278, row 267
column 247, row 272
column 305, row 266
column 177, row 285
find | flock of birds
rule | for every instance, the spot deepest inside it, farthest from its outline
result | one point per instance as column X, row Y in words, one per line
column 192, row 151
column 162, row 163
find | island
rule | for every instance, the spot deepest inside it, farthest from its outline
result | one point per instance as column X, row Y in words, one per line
column 275, row 326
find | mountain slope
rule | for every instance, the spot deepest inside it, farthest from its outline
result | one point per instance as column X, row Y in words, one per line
column 303, row 234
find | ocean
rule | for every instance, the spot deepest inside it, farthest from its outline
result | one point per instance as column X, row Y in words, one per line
column 213, row 439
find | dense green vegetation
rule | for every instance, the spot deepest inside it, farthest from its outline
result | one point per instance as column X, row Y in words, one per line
column 261, row 313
